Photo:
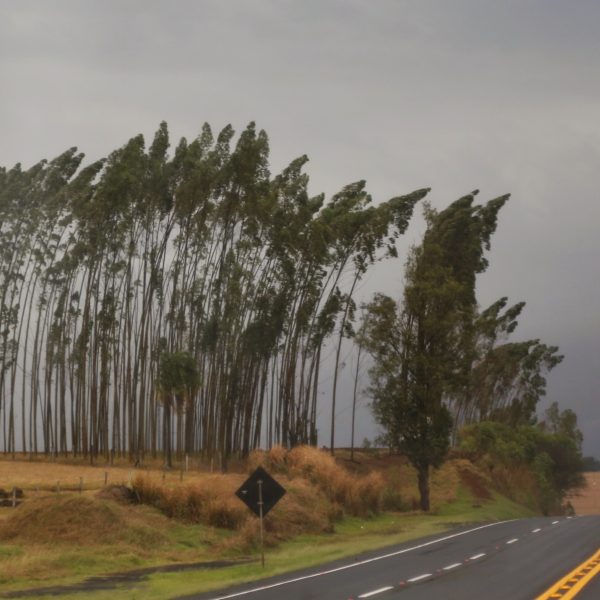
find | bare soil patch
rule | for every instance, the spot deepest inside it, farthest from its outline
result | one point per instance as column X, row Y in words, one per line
column 475, row 483
column 587, row 500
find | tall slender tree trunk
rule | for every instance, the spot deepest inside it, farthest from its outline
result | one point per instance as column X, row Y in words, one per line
column 423, row 476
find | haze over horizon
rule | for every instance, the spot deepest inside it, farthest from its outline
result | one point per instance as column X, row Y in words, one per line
column 500, row 97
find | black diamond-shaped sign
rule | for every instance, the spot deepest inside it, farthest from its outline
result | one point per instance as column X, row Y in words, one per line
column 249, row 492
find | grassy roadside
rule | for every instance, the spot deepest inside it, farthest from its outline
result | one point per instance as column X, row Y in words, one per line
column 334, row 508
column 352, row 536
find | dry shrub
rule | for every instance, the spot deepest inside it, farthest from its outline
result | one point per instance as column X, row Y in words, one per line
column 118, row 493
column 274, row 460
column 355, row 494
column 319, row 492
column 304, row 510
column 210, row 504
column 82, row 521
column 366, row 494
column 225, row 513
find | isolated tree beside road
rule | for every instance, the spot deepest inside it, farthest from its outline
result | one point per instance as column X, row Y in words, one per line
column 422, row 346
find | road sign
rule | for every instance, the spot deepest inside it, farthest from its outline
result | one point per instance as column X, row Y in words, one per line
column 260, row 489
column 260, row 493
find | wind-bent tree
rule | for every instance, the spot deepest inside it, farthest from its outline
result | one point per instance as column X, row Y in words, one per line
column 148, row 253
column 506, row 379
column 421, row 344
column 439, row 362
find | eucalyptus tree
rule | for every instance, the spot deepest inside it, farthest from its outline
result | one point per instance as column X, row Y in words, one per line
column 418, row 344
column 505, row 379
column 363, row 233
column 177, row 383
column 105, row 269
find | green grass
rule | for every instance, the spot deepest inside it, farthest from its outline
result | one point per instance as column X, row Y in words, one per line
column 29, row 565
column 40, row 565
column 352, row 536
column 499, row 508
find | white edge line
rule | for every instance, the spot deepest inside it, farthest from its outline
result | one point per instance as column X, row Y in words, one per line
column 537, row 530
column 379, row 591
column 415, row 579
column 513, row 541
column 358, row 563
column 482, row 554
column 453, row 566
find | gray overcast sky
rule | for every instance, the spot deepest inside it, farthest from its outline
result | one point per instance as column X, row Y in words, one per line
column 455, row 95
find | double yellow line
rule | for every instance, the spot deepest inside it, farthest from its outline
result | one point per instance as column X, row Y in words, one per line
column 570, row 585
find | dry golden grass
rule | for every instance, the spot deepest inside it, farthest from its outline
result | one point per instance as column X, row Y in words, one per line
column 354, row 494
column 82, row 521
column 211, row 501
column 319, row 492
column 44, row 475
column 72, row 535
column 57, row 535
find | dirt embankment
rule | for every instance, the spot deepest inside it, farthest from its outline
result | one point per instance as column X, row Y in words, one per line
column 587, row 500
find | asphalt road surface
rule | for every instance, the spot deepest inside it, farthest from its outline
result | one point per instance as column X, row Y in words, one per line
column 516, row 560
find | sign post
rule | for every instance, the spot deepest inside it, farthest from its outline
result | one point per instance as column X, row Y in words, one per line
column 260, row 506
column 260, row 493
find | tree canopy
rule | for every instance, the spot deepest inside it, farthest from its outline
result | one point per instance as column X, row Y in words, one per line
column 437, row 363
column 107, row 267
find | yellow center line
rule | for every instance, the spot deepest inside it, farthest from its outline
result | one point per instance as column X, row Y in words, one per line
column 572, row 583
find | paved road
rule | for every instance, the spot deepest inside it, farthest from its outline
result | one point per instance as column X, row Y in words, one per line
column 516, row 559
column 591, row 591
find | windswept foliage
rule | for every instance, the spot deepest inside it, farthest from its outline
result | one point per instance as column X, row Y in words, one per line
column 106, row 269
column 439, row 362
column 552, row 458
column 421, row 344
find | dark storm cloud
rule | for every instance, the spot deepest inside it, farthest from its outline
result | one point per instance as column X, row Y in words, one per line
column 500, row 96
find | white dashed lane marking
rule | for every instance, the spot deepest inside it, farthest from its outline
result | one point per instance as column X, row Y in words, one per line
column 419, row 578
column 379, row 591
column 446, row 568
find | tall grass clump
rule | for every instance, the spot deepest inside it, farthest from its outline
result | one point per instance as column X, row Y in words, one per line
column 208, row 504
column 354, row 494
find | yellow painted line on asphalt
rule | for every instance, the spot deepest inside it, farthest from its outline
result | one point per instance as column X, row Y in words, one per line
column 572, row 583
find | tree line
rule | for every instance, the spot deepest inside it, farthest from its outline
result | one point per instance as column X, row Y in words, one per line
column 440, row 361
column 185, row 299
column 108, row 269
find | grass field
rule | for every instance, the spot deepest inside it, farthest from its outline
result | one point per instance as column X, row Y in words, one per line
column 63, row 538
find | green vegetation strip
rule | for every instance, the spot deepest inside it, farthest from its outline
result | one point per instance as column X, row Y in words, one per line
column 352, row 536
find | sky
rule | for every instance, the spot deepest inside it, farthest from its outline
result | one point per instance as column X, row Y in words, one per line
column 470, row 94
